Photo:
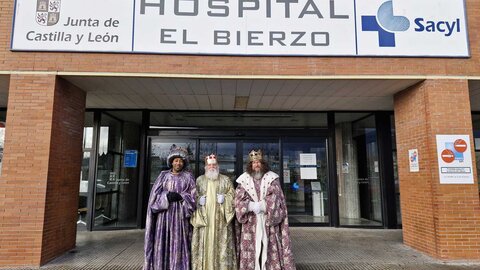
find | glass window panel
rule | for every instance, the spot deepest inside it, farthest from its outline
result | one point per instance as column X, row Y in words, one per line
column 395, row 172
column 88, row 131
column 270, row 152
column 2, row 136
column 305, row 180
column 128, row 182
column 226, row 156
column 85, row 166
column 159, row 150
column 117, row 182
column 476, row 136
column 359, row 193
column 83, row 194
column 104, row 140
column 110, row 135
column 84, row 171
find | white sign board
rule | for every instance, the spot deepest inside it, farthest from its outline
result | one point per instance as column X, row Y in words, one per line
column 411, row 28
column 244, row 27
column 413, row 160
column 71, row 25
column 454, row 159
column 308, row 173
column 308, row 159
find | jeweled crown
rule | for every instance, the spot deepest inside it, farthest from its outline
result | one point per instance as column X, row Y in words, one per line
column 255, row 155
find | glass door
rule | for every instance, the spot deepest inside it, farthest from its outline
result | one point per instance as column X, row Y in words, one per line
column 108, row 169
column 116, row 183
column 159, row 150
column 301, row 164
column 226, row 153
column 305, row 179
column 270, row 150
column 359, row 188
column 2, row 136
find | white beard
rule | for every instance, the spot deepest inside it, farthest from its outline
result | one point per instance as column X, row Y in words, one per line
column 212, row 173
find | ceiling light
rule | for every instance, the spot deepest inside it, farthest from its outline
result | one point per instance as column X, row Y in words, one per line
column 241, row 102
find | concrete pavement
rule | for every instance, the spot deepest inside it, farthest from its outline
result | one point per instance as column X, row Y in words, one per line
column 314, row 249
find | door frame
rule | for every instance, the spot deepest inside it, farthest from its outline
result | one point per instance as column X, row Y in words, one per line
column 238, row 136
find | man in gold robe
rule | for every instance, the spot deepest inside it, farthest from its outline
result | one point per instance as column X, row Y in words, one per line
column 213, row 245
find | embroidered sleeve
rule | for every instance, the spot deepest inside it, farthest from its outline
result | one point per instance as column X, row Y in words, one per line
column 158, row 197
column 199, row 217
column 275, row 201
column 160, row 202
column 228, row 205
column 241, row 204
column 188, row 194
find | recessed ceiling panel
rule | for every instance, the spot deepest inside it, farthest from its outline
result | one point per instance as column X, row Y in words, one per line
column 223, row 94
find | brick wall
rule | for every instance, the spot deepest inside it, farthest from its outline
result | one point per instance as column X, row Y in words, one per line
column 38, row 181
column 65, row 159
column 441, row 220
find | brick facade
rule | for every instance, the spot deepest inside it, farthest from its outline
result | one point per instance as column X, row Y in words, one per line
column 39, row 181
column 439, row 219
column 40, row 169
column 237, row 65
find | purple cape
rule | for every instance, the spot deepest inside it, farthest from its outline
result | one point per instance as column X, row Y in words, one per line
column 168, row 231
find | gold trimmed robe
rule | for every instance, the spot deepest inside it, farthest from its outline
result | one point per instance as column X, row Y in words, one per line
column 213, row 246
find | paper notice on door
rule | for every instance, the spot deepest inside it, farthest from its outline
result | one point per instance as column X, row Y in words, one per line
column 286, row 176
column 316, row 186
column 308, row 173
column 308, row 159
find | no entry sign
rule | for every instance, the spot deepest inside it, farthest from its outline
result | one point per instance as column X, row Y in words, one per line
column 448, row 156
column 454, row 159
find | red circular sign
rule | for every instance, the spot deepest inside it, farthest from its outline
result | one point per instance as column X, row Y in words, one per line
column 460, row 145
column 448, row 156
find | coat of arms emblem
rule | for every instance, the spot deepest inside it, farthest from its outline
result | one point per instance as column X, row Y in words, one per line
column 48, row 12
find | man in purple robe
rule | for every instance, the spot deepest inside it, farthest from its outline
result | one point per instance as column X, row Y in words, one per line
column 168, row 231
column 263, row 239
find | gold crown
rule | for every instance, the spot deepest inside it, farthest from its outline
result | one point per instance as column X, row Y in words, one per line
column 255, row 155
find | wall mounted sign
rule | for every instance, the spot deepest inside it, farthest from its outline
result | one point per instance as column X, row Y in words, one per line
column 413, row 160
column 454, row 159
column 130, row 158
column 428, row 28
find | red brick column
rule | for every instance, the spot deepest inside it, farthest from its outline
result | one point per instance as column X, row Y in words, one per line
column 41, row 169
column 442, row 220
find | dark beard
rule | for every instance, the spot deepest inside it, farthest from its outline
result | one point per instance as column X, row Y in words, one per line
column 257, row 175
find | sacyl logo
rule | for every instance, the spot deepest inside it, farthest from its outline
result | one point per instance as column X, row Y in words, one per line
column 385, row 23
column 445, row 27
column 48, row 12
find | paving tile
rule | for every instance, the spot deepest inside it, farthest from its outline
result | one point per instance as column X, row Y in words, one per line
column 314, row 249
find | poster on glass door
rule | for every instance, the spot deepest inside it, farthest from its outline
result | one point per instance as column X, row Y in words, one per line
column 308, row 163
column 454, row 159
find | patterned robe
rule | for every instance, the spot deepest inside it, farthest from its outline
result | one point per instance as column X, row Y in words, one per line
column 268, row 230
column 168, row 230
column 213, row 246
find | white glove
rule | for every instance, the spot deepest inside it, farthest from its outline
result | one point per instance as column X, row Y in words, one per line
column 203, row 200
column 220, row 198
column 254, row 207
